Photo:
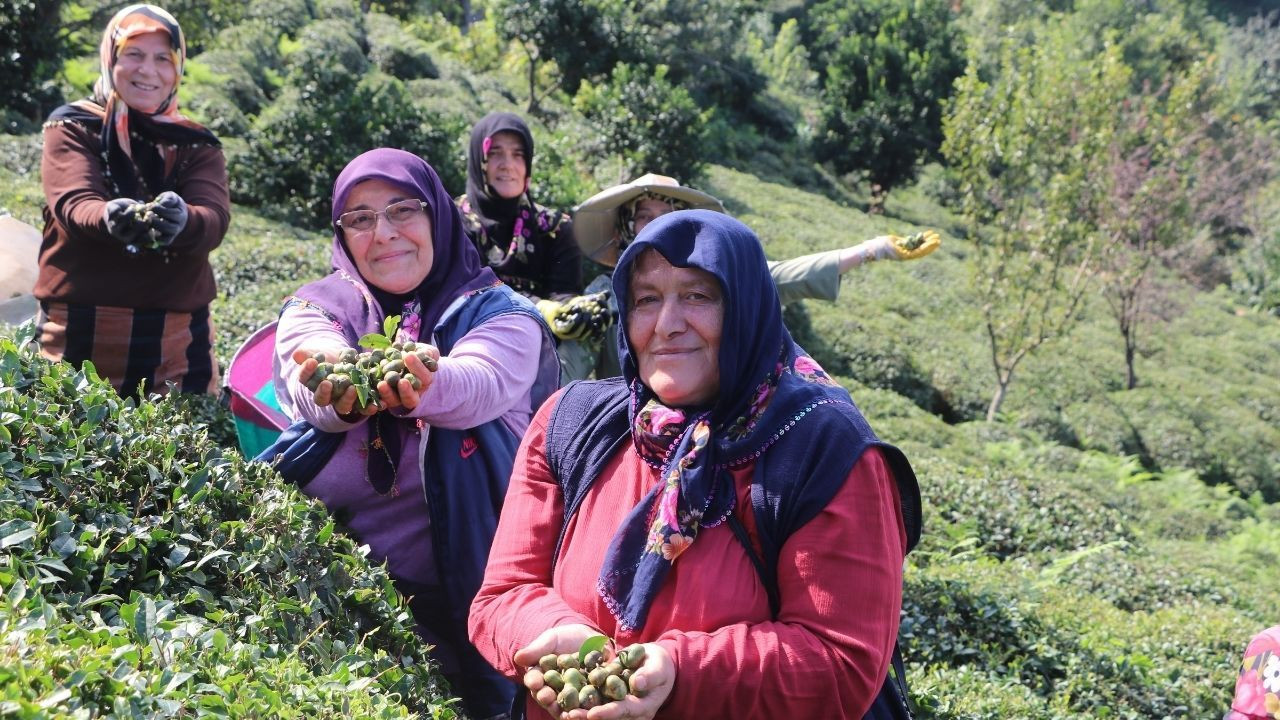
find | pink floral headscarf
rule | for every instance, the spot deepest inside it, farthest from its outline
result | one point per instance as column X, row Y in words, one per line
column 1258, row 687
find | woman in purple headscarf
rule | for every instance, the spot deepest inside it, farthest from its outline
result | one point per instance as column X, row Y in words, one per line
column 421, row 481
column 723, row 503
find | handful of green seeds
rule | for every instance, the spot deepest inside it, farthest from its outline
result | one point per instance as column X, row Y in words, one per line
column 912, row 241
column 586, row 680
column 364, row 370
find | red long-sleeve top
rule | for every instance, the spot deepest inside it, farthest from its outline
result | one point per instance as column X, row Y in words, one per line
column 839, row 577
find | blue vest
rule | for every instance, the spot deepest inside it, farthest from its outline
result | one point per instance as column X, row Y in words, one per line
column 590, row 423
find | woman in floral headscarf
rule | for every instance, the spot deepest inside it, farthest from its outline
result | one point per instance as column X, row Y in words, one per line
column 530, row 247
column 136, row 200
column 723, row 502
column 1258, row 687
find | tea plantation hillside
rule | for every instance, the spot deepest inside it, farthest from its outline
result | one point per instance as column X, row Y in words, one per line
column 1095, row 553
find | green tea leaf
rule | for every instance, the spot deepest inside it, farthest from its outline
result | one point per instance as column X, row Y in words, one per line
column 144, row 620
column 16, row 531
column 591, row 644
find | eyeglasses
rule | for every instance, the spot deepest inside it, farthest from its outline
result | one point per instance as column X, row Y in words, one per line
column 398, row 213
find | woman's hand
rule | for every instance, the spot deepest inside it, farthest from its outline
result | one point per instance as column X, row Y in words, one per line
column 653, row 682
column 323, row 394
column 559, row 640
column 403, row 394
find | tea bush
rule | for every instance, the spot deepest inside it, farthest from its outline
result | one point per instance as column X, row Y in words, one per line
column 396, row 51
column 259, row 265
column 1019, row 511
column 148, row 577
column 333, row 109
column 652, row 125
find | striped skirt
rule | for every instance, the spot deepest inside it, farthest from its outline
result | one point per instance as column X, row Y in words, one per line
column 131, row 347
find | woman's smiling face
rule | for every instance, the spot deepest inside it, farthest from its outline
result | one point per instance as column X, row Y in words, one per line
column 674, row 324
column 145, row 73
column 394, row 257
column 505, row 165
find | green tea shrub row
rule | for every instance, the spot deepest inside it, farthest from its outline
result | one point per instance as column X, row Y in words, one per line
column 1025, row 511
column 151, row 577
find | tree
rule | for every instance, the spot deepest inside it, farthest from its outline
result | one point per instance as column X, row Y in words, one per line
column 701, row 42
column 1026, row 146
column 1175, row 168
column 332, row 109
column 31, row 58
column 649, row 123
column 574, row 34
column 888, row 67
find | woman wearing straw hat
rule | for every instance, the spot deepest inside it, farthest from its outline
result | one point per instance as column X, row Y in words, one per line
column 609, row 220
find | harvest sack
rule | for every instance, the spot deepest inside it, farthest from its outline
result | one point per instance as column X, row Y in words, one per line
column 250, row 389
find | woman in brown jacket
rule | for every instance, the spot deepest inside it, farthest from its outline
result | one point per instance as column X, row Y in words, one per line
column 136, row 199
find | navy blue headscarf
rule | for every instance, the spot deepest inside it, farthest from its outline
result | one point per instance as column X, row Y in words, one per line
column 768, row 388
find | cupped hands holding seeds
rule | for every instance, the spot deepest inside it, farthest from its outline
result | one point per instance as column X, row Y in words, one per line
column 596, row 681
column 389, row 375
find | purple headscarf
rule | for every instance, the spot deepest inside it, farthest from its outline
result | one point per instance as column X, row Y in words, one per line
column 455, row 269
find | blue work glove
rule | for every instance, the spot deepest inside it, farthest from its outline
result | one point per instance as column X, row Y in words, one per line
column 168, row 216
column 123, row 223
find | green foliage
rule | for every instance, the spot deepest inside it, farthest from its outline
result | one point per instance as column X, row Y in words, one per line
column 949, row 621
column 1250, row 66
column 1018, row 510
column 395, row 51
column 844, row 346
column 258, row 266
column 701, row 41
column 223, row 93
column 649, row 123
column 558, row 180
column 331, row 111
column 889, row 68
column 577, row 35
column 29, row 36
column 1025, row 147
column 254, row 47
column 280, row 17
column 148, row 578
column 203, row 20
column 786, row 60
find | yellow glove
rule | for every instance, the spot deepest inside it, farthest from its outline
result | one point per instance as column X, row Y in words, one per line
column 578, row 318
column 916, row 245
column 550, row 310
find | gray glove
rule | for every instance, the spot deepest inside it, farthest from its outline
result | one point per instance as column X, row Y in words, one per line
column 169, row 216
column 121, row 217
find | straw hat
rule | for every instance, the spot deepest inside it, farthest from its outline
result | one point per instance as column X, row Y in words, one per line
column 595, row 223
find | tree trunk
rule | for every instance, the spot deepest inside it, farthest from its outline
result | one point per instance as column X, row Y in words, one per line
column 997, row 400
column 466, row 15
column 533, row 88
column 1131, row 377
